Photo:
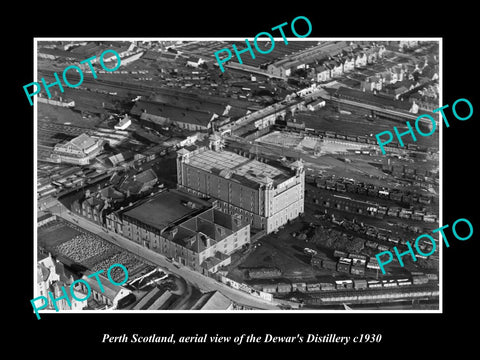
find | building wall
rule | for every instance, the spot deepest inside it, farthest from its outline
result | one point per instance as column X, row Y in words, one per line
column 72, row 156
column 152, row 238
column 283, row 203
column 189, row 126
column 54, row 281
column 286, row 202
column 127, row 60
column 47, row 220
column 138, row 232
column 94, row 295
column 228, row 245
column 155, row 118
column 56, row 102
column 238, row 195
column 323, row 76
column 114, row 223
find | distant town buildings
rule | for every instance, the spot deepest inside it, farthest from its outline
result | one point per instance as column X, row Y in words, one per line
column 328, row 59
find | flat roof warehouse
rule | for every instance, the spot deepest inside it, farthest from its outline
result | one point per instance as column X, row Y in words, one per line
column 166, row 208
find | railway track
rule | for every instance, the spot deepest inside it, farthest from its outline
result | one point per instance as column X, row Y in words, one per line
column 428, row 291
column 116, row 84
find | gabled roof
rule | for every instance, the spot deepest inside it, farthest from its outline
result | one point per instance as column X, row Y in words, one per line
column 83, row 142
column 217, row 301
column 42, row 273
column 110, row 290
column 193, row 58
column 321, row 68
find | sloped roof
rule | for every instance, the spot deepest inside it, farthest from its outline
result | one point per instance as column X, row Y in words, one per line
column 217, row 301
column 83, row 141
column 42, row 273
column 110, row 290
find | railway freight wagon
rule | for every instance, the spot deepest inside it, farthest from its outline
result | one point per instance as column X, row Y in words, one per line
column 414, row 282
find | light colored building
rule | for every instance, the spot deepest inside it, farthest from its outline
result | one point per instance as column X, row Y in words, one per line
column 348, row 63
column 79, row 150
column 124, row 123
column 131, row 58
column 51, row 277
column 109, row 297
column 60, row 102
column 280, row 70
column 315, row 104
column 322, row 73
column 407, row 44
column 264, row 195
column 361, row 60
column 213, row 301
column 194, row 61
column 45, row 218
column 336, row 68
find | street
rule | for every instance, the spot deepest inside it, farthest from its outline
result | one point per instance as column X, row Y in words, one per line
column 205, row 284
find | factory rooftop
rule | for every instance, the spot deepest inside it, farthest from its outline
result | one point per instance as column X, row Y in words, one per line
column 166, row 208
column 204, row 230
column 238, row 168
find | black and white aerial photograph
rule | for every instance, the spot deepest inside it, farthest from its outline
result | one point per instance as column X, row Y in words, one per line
column 209, row 180
column 224, row 186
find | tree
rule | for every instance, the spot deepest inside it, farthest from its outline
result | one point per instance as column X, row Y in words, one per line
column 356, row 245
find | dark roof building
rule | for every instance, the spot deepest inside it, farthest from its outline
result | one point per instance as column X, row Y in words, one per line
column 190, row 118
column 186, row 228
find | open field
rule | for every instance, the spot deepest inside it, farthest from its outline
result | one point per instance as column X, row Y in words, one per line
column 88, row 250
column 59, row 115
column 55, row 233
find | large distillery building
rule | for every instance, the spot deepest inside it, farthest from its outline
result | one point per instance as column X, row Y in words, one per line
column 264, row 195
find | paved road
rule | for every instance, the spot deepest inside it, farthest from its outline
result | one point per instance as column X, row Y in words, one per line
column 196, row 279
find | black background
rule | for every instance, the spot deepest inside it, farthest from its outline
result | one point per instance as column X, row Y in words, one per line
column 402, row 333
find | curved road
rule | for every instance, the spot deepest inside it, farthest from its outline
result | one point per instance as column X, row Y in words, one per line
column 205, row 284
